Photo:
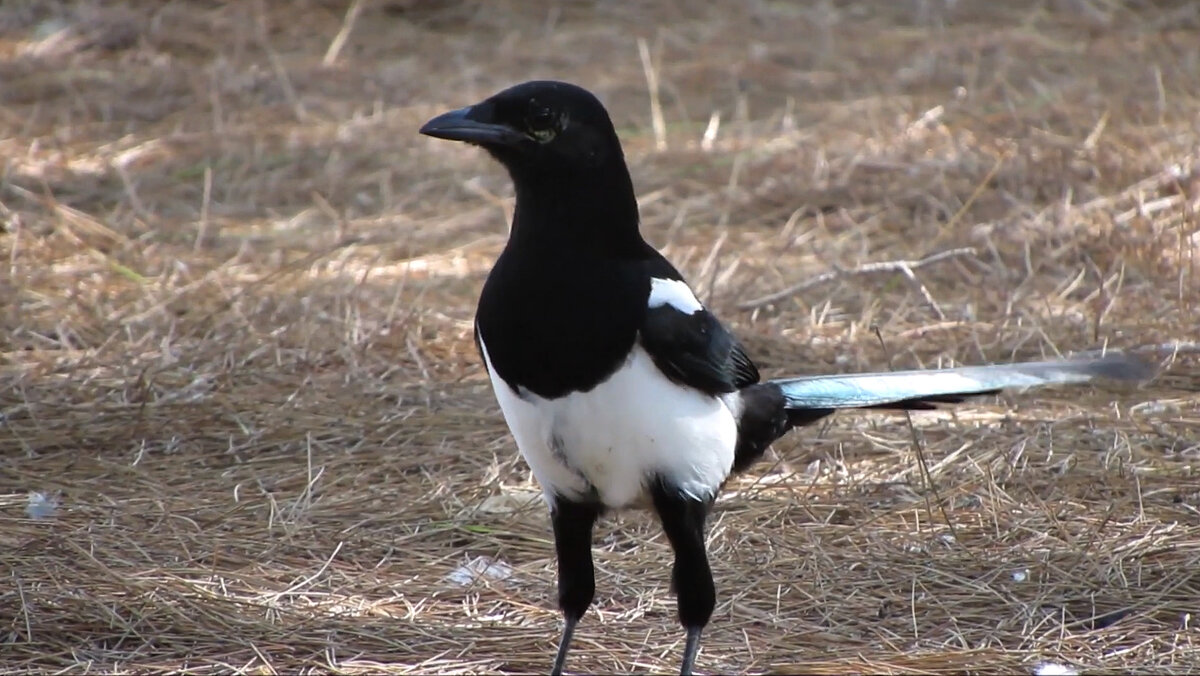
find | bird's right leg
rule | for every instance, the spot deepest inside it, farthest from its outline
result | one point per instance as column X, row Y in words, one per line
column 573, row 523
column 683, row 517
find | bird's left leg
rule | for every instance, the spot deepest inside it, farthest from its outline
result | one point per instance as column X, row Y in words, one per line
column 683, row 518
column 573, row 522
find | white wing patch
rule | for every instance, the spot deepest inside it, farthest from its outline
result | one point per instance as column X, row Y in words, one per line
column 615, row 437
column 675, row 293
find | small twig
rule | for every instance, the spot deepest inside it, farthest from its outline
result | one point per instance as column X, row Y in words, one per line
column 205, row 210
column 1093, row 138
column 919, row 450
column 306, row 495
column 340, row 225
column 262, row 658
column 24, row 608
column 656, row 114
column 343, row 34
column 987, row 179
column 1174, row 347
column 131, row 193
column 711, row 266
column 1171, row 175
column 1148, row 209
column 712, row 263
column 1162, row 93
column 710, row 132
column 912, row 277
column 903, row 267
column 281, row 74
column 415, row 353
column 15, row 227
column 308, row 580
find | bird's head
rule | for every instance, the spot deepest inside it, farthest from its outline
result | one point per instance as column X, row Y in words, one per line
column 537, row 128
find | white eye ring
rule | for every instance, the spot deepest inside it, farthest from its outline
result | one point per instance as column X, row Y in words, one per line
column 542, row 135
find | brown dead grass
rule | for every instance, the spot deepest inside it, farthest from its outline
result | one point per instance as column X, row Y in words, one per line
column 236, row 343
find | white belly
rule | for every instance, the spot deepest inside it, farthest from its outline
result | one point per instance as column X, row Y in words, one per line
column 627, row 430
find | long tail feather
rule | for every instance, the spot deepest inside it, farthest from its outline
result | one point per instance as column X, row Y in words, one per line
column 925, row 389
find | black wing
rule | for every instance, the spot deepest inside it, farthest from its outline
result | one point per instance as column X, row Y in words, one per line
column 694, row 349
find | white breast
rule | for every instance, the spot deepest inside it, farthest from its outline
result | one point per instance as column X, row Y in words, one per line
column 614, row 438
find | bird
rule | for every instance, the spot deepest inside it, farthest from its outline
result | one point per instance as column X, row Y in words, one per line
column 620, row 388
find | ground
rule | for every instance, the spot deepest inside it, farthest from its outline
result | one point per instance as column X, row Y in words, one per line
column 243, row 422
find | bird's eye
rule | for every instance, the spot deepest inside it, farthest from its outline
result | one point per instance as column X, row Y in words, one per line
column 541, row 123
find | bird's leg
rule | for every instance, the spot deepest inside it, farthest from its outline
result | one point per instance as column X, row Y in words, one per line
column 690, row 648
column 683, row 521
column 564, row 643
column 573, row 522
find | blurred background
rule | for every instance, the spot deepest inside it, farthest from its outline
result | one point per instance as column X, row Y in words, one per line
column 242, row 422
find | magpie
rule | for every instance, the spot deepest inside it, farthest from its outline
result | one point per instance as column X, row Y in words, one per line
column 619, row 387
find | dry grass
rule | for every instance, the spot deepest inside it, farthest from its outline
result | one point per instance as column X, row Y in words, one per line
column 238, row 290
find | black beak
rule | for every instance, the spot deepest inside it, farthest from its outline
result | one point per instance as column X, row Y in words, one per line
column 462, row 125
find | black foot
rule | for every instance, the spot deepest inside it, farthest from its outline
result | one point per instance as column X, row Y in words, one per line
column 564, row 644
column 689, row 650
